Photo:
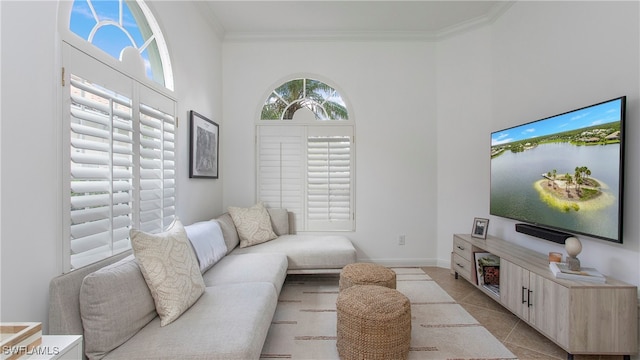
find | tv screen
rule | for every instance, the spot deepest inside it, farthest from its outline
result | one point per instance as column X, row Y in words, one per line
column 563, row 172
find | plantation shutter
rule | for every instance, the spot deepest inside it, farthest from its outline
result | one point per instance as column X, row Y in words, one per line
column 308, row 171
column 120, row 169
column 101, row 128
column 281, row 168
column 157, row 162
column 329, row 178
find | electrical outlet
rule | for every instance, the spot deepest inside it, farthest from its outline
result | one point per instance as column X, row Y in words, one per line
column 401, row 240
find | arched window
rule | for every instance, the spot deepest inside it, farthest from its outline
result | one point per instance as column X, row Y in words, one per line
column 306, row 155
column 116, row 25
column 118, row 128
column 323, row 100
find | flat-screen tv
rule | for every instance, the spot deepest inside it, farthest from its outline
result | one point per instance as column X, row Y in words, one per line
column 564, row 172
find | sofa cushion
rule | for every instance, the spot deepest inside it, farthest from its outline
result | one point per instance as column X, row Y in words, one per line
column 170, row 269
column 279, row 220
column 208, row 243
column 234, row 269
column 253, row 224
column 308, row 251
column 228, row 231
column 228, row 322
column 115, row 303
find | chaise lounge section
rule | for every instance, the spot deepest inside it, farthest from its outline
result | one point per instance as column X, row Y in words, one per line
column 110, row 304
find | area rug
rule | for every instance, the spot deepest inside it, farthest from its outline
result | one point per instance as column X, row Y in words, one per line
column 304, row 326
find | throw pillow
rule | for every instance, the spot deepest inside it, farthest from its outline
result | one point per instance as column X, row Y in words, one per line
column 279, row 221
column 170, row 268
column 115, row 303
column 208, row 243
column 229, row 231
column 253, row 224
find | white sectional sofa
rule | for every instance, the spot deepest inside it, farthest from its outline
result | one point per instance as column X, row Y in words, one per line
column 110, row 303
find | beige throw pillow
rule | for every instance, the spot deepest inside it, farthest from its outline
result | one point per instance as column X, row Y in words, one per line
column 253, row 224
column 170, row 269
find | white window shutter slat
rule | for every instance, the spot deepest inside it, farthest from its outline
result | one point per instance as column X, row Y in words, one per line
column 329, row 178
column 281, row 167
column 107, row 140
column 157, row 175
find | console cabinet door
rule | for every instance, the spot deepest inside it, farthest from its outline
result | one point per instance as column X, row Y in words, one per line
column 514, row 288
column 549, row 309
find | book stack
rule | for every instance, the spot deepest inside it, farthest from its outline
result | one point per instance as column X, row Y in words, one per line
column 561, row 271
column 488, row 271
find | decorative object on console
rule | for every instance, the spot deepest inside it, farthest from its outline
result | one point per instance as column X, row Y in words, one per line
column 488, row 271
column 555, row 257
column 573, row 246
column 561, row 271
column 204, row 144
column 480, row 227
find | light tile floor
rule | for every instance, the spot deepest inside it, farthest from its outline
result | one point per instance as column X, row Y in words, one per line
column 523, row 341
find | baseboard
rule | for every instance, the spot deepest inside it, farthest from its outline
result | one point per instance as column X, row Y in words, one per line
column 402, row 262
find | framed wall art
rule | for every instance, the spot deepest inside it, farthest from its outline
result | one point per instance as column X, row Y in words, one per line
column 204, row 137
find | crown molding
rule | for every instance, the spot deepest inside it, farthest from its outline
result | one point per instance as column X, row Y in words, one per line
column 477, row 22
column 210, row 18
column 364, row 36
column 356, row 36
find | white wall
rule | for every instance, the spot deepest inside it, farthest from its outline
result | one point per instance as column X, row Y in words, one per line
column 391, row 88
column 197, row 62
column 464, row 115
column 31, row 182
column 552, row 57
column 30, row 193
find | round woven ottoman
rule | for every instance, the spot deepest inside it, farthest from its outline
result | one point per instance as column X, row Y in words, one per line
column 374, row 322
column 367, row 274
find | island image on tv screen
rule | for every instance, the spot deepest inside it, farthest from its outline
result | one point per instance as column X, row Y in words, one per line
column 563, row 172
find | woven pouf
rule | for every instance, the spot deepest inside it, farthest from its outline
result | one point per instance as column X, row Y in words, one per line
column 374, row 322
column 367, row 274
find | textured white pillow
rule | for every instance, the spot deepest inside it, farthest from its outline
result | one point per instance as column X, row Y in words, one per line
column 253, row 224
column 208, row 243
column 170, row 268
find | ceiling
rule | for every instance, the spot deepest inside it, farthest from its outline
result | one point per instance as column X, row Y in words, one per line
column 312, row 18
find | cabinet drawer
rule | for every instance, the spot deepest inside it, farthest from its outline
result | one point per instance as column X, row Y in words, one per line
column 463, row 249
column 462, row 266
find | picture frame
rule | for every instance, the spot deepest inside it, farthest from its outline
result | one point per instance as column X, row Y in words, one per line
column 204, row 136
column 480, row 227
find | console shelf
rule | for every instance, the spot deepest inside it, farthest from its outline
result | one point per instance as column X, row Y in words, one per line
column 580, row 317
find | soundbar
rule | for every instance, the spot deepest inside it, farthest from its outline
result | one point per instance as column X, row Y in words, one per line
column 543, row 233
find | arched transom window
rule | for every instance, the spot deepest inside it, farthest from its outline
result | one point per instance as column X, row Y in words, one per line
column 114, row 26
column 306, row 163
column 323, row 100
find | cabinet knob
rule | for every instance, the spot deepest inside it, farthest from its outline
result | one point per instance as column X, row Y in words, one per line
column 524, row 289
column 460, row 265
column 460, row 247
